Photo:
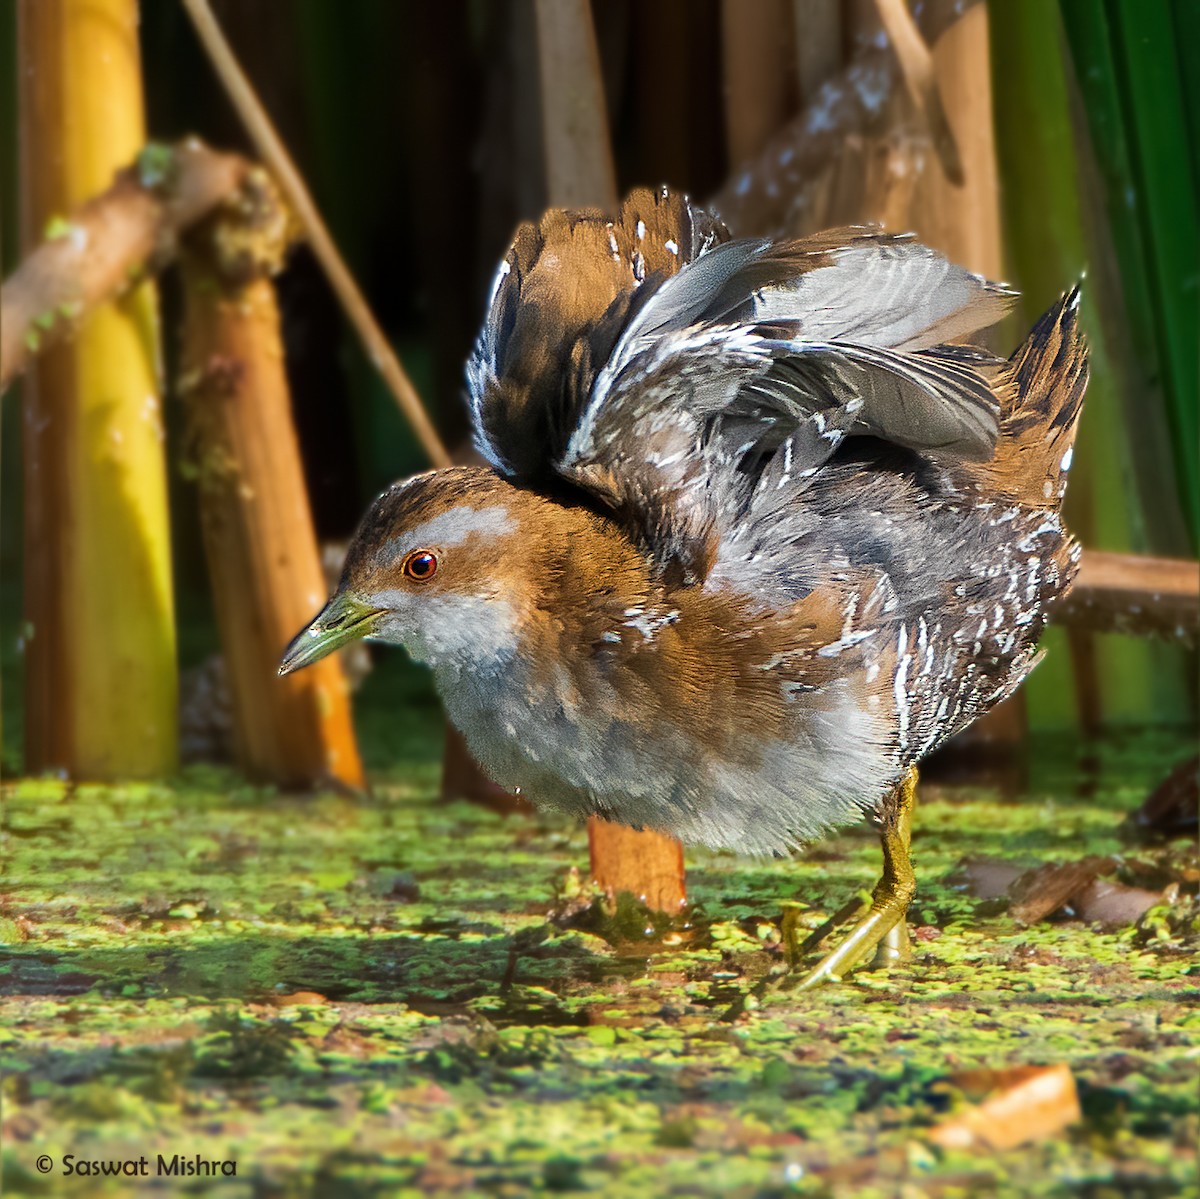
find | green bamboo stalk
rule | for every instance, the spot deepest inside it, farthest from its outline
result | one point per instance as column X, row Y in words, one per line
column 1127, row 290
column 1167, row 203
column 101, row 686
column 1048, row 251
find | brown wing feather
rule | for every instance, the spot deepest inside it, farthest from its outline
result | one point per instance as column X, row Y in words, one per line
column 1047, row 377
column 564, row 288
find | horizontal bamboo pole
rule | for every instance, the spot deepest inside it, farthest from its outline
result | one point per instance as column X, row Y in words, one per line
column 101, row 249
column 1132, row 593
column 262, row 552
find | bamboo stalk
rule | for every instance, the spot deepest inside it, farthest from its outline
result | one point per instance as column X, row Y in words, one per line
column 667, row 80
column 274, row 154
column 963, row 221
column 961, row 218
column 107, row 245
column 579, row 165
column 817, row 28
column 259, row 540
column 579, row 169
column 100, row 677
column 760, row 79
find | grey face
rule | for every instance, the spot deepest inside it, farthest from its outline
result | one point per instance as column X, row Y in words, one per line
column 430, row 585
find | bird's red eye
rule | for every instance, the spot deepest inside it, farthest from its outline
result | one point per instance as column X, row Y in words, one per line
column 420, row 565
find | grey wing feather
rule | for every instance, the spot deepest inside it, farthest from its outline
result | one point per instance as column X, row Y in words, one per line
column 757, row 346
column 853, row 285
column 667, row 369
column 887, row 291
column 750, row 389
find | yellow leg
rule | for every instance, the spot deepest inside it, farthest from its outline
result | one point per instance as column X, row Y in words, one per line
column 882, row 927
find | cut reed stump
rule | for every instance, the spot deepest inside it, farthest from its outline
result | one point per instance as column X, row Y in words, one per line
column 580, row 171
column 243, row 455
column 646, row 865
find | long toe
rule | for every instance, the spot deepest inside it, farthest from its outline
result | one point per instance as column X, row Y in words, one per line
column 882, row 928
column 872, row 932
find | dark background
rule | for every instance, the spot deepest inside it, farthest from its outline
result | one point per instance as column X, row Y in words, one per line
column 418, row 128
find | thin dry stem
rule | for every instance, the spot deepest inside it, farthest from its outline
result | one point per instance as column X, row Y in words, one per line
column 259, row 539
column 275, row 156
column 920, row 79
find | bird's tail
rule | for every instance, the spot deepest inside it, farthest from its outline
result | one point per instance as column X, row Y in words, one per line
column 1040, row 405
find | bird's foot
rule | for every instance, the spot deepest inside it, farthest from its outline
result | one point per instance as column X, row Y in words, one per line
column 881, row 930
column 879, row 926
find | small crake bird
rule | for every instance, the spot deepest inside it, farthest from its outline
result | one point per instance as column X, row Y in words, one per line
column 755, row 537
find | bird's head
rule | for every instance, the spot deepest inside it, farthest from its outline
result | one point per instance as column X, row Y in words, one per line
column 447, row 564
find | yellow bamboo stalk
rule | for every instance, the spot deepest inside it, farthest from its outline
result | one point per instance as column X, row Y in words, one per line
column 101, row 685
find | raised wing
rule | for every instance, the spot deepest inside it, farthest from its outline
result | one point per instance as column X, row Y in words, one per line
column 559, row 300
column 672, row 372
